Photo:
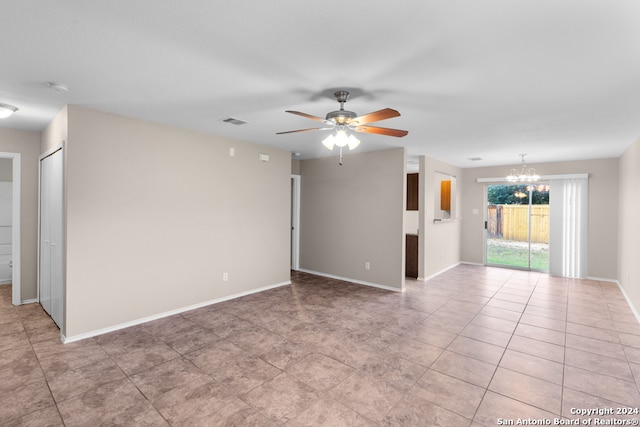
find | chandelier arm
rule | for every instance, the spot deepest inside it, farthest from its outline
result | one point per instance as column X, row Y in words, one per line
column 524, row 175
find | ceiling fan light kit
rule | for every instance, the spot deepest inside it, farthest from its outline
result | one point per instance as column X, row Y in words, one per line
column 341, row 139
column 344, row 122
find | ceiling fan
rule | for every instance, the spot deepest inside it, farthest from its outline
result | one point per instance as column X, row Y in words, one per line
column 343, row 120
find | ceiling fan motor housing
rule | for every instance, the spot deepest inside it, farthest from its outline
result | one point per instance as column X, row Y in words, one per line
column 341, row 116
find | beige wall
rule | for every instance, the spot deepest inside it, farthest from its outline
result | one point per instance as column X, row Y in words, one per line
column 28, row 145
column 439, row 242
column 629, row 225
column 156, row 215
column 295, row 167
column 353, row 214
column 55, row 134
column 603, row 211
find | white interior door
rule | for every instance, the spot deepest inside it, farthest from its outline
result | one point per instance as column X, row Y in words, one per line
column 6, row 232
column 51, row 235
column 45, row 236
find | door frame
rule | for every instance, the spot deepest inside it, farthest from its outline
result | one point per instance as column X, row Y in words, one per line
column 488, row 183
column 16, row 298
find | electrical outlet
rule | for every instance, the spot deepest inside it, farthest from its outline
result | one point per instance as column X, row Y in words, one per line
column 367, row 265
column 225, row 277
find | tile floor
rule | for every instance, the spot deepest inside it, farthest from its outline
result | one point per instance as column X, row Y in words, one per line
column 475, row 346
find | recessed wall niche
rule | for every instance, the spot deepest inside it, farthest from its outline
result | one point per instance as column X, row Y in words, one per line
column 444, row 197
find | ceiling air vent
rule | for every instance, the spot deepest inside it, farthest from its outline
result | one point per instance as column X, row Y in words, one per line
column 234, row 121
column 474, row 159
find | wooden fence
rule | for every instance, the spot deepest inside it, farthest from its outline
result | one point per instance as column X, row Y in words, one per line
column 511, row 222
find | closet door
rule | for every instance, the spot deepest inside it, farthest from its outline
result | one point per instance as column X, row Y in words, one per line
column 51, row 235
column 45, row 236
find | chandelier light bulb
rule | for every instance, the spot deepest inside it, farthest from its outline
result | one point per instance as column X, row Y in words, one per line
column 329, row 142
column 524, row 174
column 341, row 139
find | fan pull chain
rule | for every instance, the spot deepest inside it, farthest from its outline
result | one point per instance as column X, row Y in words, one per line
column 340, row 162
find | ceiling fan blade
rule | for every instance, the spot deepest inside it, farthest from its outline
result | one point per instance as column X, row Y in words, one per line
column 309, row 116
column 381, row 131
column 301, row 130
column 386, row 113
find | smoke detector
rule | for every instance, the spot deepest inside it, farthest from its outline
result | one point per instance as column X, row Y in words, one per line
column 233, row 121
column 58, row 87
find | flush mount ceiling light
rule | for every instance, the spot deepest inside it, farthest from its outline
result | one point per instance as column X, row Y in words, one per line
column 524, row 174
column 6, row 110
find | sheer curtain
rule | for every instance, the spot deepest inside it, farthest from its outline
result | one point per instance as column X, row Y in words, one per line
column 568, row 204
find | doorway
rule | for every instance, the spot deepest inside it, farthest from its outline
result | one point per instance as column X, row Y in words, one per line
column 6, row 221
column 15, row 263
column 295, row 222
column 517, row 226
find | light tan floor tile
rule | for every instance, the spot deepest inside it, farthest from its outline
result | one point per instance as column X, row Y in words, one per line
column 603, row 386
column 477, row 349
column 496, row 409
column 281, row 399
column 465, row 368
column 487, row 335
column 451, row 393
column 328, row 352
column 540, row 334
column 533, row 366
column 320, row 372
column 416, row 410
column 532, row 391
column 537, row 348
column 592, row 345
column 597, row 363
column 366, row 396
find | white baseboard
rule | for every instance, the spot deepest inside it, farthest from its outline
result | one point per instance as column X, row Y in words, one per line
column 626, row 296
column 479, row 264
column 29, row 301
column 624, row 293
column 441, row 271
column 124, row 325
column 347, row 279
column 601, row 279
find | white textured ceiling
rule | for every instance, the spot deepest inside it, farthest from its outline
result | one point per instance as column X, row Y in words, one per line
column 556, row 79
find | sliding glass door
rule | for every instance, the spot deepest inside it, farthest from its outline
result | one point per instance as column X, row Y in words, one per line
column 517, row 226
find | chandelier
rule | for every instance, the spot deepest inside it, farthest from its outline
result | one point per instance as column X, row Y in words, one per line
column 524, row 174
